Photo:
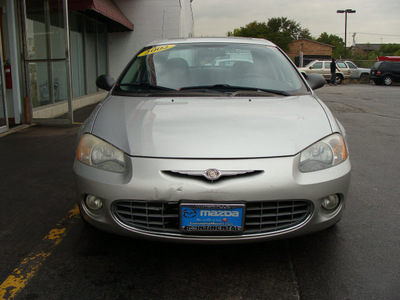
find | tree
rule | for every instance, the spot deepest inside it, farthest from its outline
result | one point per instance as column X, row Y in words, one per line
column 389, row 49
column 280, row 31
column 254, row 29
column 333, row 40
column 293, row 28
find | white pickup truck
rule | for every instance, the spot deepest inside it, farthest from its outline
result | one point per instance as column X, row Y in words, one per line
column 360, row 73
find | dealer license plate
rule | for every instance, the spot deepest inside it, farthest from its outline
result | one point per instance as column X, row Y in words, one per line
column 209, row 218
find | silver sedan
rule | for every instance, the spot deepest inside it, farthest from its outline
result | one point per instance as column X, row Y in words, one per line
column 185, row 149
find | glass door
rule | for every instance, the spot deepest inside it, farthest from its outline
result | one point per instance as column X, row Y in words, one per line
column 3, row 103
column 47, row 60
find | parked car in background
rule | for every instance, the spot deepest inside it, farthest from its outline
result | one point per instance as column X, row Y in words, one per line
column 358, row 73
column 385, row 72
column 228, row 62
column 323, row 67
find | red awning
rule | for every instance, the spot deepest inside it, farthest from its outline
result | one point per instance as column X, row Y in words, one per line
column 104, row 9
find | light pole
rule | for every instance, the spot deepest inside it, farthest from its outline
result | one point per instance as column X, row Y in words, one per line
column 347, row 11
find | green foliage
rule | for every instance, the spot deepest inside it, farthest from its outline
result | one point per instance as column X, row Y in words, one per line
column 254, row 29
column 389, row 49
column 330, row 39
column 293, row 28
column 385, row 50
column 283, row 31
column 280, row 31
column 335, row 41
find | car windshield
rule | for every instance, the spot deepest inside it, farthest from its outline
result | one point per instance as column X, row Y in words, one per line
column 218, row 68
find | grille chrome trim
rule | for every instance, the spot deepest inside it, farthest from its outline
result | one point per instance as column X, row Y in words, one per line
column 217, row 174
column 260, row 217
column 148, row 215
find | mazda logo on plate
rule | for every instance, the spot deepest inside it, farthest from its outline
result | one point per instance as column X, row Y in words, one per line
column 212, row 174
column 189, row 213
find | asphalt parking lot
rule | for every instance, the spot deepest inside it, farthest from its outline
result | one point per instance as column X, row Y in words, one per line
column 48, row 253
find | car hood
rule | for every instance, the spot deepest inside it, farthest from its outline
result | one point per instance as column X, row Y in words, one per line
column 217, row 127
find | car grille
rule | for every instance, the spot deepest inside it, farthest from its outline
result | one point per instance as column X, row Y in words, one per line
column 260, row 217
column 148, row 215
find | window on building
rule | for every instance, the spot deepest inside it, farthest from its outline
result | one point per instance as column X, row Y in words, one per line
column 91, row 57
column 88, row 53
column 101, row 49
column 46, row 52
column 76, row 26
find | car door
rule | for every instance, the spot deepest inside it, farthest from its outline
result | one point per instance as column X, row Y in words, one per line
column 353, row 70
column 317, row 68
column 396, row 71
column 344, row 69
column 327, row 70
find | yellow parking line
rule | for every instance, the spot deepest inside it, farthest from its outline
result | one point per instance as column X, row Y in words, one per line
column 31, row 264
column 78, row 123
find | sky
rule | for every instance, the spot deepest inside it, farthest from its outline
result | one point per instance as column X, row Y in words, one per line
column 374, row 21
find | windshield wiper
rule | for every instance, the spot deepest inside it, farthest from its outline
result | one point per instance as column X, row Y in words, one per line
column 225, row 88
column 206, row 88
column 266, row 91
column 146, row 86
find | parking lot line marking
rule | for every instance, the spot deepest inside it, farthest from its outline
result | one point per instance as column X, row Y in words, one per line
column 28, row 267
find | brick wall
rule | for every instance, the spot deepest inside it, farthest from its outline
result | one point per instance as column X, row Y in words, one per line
column 309, row 48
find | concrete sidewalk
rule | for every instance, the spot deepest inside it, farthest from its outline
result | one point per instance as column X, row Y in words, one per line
column 80, row 116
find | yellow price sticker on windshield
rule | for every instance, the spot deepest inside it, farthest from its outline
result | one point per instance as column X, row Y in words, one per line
column 156, row 50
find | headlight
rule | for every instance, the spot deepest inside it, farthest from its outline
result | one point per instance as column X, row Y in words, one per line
column 97, row 153
column 326, row 153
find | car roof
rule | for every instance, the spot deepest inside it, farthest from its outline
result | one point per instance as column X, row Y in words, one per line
column 233, row 40
column 326, row 60
column 319, row 60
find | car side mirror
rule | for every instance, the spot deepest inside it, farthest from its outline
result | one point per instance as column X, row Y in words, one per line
column 105, row 82
column 315, row 81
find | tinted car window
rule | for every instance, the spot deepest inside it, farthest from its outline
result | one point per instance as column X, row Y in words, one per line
column 341, row 65
column 317, row 65
column 327, row 65
column 376, row 65
column 396, row 66
column 384, row 67
column 351, row 65
column 189, row 65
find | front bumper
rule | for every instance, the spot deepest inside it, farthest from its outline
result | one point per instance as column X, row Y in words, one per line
column 148, row 180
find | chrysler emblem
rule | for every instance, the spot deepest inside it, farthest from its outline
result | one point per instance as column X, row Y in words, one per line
column 212, row 174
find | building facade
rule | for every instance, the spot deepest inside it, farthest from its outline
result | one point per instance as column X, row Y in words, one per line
column 307, row 51
column 52, row 51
